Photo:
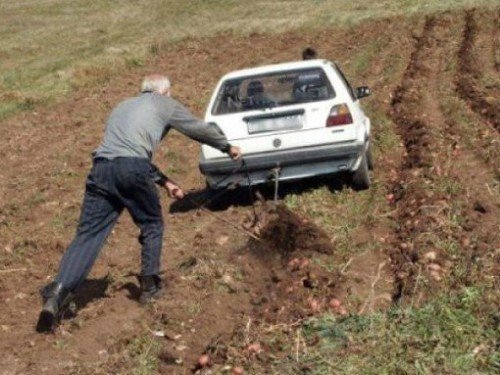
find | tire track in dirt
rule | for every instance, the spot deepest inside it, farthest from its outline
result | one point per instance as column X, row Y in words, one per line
column 416, row 139
column 413, row 129
column 466, row 126
column 469, row 73
column 427, row 195
column 477, row 200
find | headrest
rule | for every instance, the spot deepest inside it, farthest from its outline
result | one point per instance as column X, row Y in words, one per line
column 255, row 87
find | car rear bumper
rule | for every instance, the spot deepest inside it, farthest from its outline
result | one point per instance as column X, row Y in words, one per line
column 292, row 164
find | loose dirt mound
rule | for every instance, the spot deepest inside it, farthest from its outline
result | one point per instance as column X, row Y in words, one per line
column 288, row 232
column 276, row 280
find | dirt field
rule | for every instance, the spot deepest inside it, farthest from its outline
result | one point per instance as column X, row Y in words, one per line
column 429, row 226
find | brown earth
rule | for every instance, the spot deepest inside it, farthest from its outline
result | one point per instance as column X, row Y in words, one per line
column 224, row 289
column 470, row 72
column 426, row 131
column 478, row 83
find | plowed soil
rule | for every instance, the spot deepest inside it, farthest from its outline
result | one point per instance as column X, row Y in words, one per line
column 223, row 287
column 468, row 86
column 423, row 207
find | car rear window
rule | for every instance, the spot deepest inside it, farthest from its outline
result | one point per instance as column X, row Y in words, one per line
column 272, row 90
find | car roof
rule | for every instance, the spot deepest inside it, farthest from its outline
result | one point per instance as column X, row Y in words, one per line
column 276, row 68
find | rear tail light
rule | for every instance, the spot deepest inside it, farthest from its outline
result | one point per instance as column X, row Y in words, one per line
column 339, row 115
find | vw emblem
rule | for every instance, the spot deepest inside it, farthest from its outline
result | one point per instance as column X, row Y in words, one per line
column 277, row 142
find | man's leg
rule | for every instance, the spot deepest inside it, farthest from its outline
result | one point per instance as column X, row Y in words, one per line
column 143, row 203
column 98, row 216
column 145, row 209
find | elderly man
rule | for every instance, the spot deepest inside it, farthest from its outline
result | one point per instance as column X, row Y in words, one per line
column 122, row 176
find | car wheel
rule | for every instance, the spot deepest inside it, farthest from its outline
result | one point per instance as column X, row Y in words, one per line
column 360, row 179
column 369, row 157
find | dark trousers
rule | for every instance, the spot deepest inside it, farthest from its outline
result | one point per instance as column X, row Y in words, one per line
column 113, row 185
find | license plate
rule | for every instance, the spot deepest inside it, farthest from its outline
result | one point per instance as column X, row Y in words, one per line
column 292, row 122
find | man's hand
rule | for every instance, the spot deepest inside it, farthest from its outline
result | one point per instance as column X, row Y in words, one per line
column 235, row 152
column 173, row 190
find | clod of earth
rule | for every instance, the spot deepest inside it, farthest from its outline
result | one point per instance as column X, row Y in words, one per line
column 167, row 357
column 334, row 303
column 435, row 275
column 237, row 371
column 431, row 256
column 222, row 240
column 390, row 198
column 304, row 263
column 254, row 348
column 294, row 264
column 434, row 267
column 204, row 361
column 314, row 305
column 479, row 207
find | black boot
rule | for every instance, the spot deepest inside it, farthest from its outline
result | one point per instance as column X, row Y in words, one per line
column 55, row 298
column 151, row 288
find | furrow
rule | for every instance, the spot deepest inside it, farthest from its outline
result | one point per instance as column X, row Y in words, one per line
column 469, row 73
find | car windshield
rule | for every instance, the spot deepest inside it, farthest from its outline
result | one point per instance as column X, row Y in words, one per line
column 272, row 90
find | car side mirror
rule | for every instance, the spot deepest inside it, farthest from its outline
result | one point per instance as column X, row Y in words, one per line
column 363, row 92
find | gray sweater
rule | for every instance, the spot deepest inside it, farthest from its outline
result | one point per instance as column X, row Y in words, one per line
column 137, row 125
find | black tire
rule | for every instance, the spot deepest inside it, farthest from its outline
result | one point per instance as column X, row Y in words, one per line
column 360, row 179
column 369, row 157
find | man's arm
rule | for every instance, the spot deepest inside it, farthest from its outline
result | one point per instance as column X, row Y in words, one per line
column 174, row 191
column 158, row 177
column 183, row 121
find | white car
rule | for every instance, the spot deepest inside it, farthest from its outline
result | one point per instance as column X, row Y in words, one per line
column 291, row 120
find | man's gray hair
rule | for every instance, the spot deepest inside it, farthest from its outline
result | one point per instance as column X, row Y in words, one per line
column 155, row 83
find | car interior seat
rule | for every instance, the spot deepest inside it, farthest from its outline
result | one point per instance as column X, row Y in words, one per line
column 309, row 86
column 255, row 94
column 255, row 88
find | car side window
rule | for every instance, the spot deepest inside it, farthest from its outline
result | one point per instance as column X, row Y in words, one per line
column 346, row 83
